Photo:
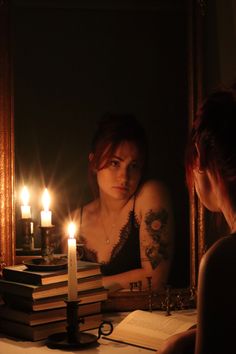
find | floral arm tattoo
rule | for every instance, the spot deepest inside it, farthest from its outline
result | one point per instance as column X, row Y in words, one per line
column 156, row 226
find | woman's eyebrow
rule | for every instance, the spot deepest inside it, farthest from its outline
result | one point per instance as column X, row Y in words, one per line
column 121, row 159
column 117, row 157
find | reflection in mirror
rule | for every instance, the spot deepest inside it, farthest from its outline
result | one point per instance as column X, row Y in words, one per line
column 74, row 62
column 71, row 65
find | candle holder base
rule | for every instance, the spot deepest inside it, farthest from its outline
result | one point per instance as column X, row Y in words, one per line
column 61, row 341
column 39, row 264
column 73, row 338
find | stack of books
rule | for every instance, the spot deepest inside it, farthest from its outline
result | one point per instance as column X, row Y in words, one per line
column 34, row 301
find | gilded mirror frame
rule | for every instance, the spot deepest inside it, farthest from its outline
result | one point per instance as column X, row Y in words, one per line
column 7, row 212
column 196, row 10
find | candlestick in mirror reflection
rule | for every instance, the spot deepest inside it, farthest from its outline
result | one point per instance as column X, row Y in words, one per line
column 26, row 221
column 46, row 214
column 47, row 249
column 25, row 208
column 72, row 263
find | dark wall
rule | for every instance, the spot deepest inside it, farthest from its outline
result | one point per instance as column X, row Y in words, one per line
column 72, row 65
column 219, row 64
column 219, row 44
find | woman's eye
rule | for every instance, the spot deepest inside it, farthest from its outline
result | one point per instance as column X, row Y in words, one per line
column 134, row 166
column 114, row 163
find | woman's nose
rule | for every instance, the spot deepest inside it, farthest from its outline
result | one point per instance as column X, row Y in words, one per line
column 124, row 174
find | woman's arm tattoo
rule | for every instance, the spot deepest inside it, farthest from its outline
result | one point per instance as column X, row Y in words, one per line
column 156, row 226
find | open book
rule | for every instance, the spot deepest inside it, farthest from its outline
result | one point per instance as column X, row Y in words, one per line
column 151, row 329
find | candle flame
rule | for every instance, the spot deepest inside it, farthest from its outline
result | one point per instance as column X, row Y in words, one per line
column 71, row 230
column 46, row 200
column 25, row 195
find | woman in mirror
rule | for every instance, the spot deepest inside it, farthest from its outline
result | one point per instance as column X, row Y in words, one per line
column 211, row 167
column 128, row 227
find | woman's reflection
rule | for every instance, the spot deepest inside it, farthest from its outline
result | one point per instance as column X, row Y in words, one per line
column 128, row 227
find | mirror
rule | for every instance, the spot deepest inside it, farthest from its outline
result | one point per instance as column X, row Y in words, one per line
column 71, row 63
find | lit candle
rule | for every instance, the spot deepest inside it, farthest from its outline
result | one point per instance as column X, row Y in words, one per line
column 72, row 264
column 46, row 214
column 25, row 208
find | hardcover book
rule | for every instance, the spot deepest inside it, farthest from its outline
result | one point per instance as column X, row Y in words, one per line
column 40, row 332
column 150, row 329
column 21, row 274
column 33, row 318
column 29, row 304
column 43, row 291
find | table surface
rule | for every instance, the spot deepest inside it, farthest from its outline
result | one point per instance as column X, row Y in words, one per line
column 15, row 346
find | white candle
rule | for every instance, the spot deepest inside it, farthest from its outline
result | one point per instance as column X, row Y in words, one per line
column 25, row 208
column 72, row 264
column 46, row 214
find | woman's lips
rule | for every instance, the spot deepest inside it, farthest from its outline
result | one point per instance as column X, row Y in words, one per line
column 121, row 188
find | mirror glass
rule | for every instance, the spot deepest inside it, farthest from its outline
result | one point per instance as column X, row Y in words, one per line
column 74, row 61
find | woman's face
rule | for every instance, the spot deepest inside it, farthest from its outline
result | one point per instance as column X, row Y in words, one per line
column 207, row 189
column 121, row 176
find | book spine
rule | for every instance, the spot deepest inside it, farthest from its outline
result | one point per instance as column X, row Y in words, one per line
column 35, row 333
column 40, row 317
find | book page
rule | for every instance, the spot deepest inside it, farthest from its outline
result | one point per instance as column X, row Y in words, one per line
column 151, row 329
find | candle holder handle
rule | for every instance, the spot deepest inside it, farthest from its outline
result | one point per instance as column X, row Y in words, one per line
column 73, row 337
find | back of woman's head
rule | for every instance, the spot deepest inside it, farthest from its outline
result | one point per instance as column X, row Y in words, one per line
column 213, row 138
column 112, row 130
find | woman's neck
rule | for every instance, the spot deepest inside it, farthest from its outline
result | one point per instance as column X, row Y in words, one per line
column 230, row 217
column 110, row 206
column 233, row 223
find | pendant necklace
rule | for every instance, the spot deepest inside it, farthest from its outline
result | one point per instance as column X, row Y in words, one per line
column 107, row 237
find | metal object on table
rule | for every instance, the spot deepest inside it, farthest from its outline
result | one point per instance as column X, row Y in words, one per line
column 73, row 338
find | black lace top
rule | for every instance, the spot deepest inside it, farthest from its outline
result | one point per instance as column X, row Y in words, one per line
column 125, row 254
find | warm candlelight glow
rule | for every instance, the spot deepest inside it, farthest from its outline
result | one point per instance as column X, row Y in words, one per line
column 46, row 200
column 72, row 263
column 46, row 214
column 71, row 230
column 25, row 196
column 25, row 208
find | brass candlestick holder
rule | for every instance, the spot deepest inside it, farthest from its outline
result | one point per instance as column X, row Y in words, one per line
column 28, row 237
column 73, row 337
column 48, row 261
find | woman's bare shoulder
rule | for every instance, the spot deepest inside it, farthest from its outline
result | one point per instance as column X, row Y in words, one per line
column 153, row 189
column 85, row 211
column 214, row 258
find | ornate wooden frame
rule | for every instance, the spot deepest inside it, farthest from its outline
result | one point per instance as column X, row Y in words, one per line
column 7, row 212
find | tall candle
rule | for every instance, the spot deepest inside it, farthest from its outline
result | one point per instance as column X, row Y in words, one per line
column 46, row 214
column 72, row 264
column 25, row 208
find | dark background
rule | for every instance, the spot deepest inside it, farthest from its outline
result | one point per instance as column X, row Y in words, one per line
column 73, row 63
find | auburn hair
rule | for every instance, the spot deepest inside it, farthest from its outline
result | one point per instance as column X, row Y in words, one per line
column 212, row 138
column 112, row 130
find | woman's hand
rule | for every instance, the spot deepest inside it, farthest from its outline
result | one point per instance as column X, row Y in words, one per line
column 181, row 343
